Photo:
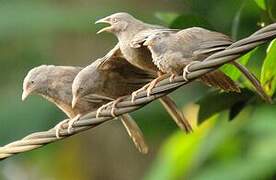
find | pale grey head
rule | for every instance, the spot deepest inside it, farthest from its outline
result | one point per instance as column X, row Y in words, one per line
column 119, row 23
column 85, row 83
column 158, row 43
column 36, row 81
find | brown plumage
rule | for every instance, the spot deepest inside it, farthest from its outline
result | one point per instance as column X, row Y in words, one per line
column 131, row 33
column 125, row 79
column 55, row 84
column 125, row 27
column 173, row 51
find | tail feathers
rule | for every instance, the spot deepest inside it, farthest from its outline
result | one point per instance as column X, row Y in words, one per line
column 220, row 80
column 253, row 79
column 135, row 133
column 177, row 115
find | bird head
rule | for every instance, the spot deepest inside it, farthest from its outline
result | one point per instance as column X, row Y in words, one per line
column 118, row 22
column 158, row 42
column 35, row 81
column 83, row 84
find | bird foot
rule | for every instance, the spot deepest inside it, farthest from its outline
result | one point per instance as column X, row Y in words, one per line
column 151, row 86
column 134, row 94
column 99, row 111
column 172, row 77
column 71, row 122
column 58, row 127
column 113, row 107
column 186, row 70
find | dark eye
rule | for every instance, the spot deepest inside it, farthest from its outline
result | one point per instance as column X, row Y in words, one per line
column 32, row 82
column 114, row 20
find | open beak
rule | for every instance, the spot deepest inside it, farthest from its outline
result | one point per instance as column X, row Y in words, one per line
column 148, row 43
column 105, row 20
column 25, row 94
column 74, row 101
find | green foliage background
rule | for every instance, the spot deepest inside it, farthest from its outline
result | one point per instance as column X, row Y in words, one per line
column 236, row 135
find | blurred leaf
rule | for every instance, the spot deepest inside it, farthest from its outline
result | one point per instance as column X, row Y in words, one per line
column 232, row 71
column 166, row 17
column 268, row 75
column 271, row 6
column 261, row 4
column 177, row 152
column 257, row 158
column 186, row 21
column 247, row 15
column 215, row 102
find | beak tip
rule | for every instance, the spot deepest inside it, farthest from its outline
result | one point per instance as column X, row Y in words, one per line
column 74, row 102
column 24, row 96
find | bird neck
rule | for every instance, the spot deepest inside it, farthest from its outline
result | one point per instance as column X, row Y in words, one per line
column 61, row 104
column 131, row 31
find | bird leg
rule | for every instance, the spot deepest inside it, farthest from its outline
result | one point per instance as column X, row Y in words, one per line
column 99, row 111
column 58, row 127
column 153, row 83
column 114, row 103
column 172, row 77
column 71, row 122
column 149, row 86
column 134, row 94
column 186, row 70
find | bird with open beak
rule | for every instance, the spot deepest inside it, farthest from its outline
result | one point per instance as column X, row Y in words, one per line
column 55, row 84
column 132, row 33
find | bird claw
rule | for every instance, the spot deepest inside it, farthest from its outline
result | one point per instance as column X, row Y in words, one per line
column 101, row 109
column 151, row 86
column 186, row 70
column 71, row 122
column 172, row 77
column 113, row 107
column 134, row 94
column 59, row 126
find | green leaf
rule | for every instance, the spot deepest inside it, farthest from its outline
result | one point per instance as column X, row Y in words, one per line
column 186, row 21
column 177, row 153
column 166, row 17
column 268, row 74
column 215, row 102
column 232, row 71
column 261, row 4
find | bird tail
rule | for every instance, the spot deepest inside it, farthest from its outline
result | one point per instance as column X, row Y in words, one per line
column 135, row 133
column 177, row 116
column 255, row 82
column 220, row 80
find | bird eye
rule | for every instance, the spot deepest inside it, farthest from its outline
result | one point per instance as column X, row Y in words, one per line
column 114, row 20
column 32, row 82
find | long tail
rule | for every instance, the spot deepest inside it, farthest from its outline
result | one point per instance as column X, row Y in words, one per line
column 255, row 82
column 177, row 116
column 220, row 80
column 135, row 133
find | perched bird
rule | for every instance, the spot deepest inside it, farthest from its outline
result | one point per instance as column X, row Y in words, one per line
column 130, row 32
column 117, row 78
column 55, row 84
column 173, row 52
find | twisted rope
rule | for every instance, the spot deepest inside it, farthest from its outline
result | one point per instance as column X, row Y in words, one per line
column 234, row 51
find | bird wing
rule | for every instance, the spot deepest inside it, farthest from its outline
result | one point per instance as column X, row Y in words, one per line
column 96, row 98
column 203, row 42
column 138, row 40
column 108, row 59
